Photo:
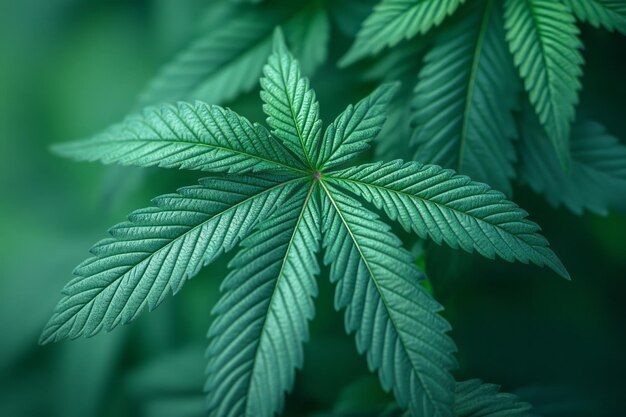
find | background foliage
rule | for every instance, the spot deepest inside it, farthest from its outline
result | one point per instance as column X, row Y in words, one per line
column 70, row 68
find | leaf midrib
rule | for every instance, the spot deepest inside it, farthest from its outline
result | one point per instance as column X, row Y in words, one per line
column 201, row 144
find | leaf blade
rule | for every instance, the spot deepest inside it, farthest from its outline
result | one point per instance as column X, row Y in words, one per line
column 267, row 305
column 597, row 177
column 290, row 103
column 395, row 20
column 378, row 284
column 227, row 60
column 544, row 42
column 354, row 129
column 436, row 203
column 610, row 14
column 463, row 100
column 197, row 137
column 158, row 249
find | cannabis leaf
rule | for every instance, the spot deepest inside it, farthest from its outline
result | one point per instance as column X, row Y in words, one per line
column 476, row 399
column 596, row 180
column 158, row 249
column 473, row 398
column 544, row 42
column 227, row 59
column 395, row 20
column 199, row 137
column 291, row 106
column 611, row 14
column 379, row 285
column 287, row 185
column 450, row 209
column 463, row 100
column 262, row 318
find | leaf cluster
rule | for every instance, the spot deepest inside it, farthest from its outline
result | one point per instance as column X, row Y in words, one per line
column 283, row 194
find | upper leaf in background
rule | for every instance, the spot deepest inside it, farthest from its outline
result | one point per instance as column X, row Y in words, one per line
column 464, row 97
column 544, row 41
column 228, row 60
column 395, row 20
column 611, row 14
column 596, row 180
column 476, row 399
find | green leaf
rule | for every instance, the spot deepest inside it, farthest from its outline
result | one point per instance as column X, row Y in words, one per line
column 463, row 100
column 158, row 249
column 395, row 20
column 475, row 399
column 544, row 41
column 436, row 203
column 290, row 103
column 256, row 340
column 198, row 137
column 611, row 14
column 228, row 59
column 596, row 180
column 354, row 129
column 395, row 319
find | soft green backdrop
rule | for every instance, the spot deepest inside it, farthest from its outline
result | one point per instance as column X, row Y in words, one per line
column 69, row 68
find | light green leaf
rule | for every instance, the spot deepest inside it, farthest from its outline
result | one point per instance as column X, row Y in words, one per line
column 395, row 20
column 436, row 203
column 158, row 249
column 475, row 399
column 611, row 14
column 256, row 340
column 198, row 137
column 395, row 319
column 463, row 100
column 354, row 129
column 596, row 180
column 290, row 103
column 544, row 41
column 228, row 59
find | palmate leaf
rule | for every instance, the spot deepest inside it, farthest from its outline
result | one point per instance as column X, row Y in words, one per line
column 199, row 137
column 596, row 180
column 158, row 249
column 395, row 20
column 290, row 104
column 463, row 100
column 395, row 319
column 611, row 14
column 476, row 399
column 228, row 59
column 436, row 203
column 544, row 41
column 256, row 340
column 353, row 130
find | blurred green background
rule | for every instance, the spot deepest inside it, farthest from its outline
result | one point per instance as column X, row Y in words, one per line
column 69, row 68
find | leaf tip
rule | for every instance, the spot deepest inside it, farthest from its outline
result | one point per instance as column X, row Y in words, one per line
column 279, row 45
